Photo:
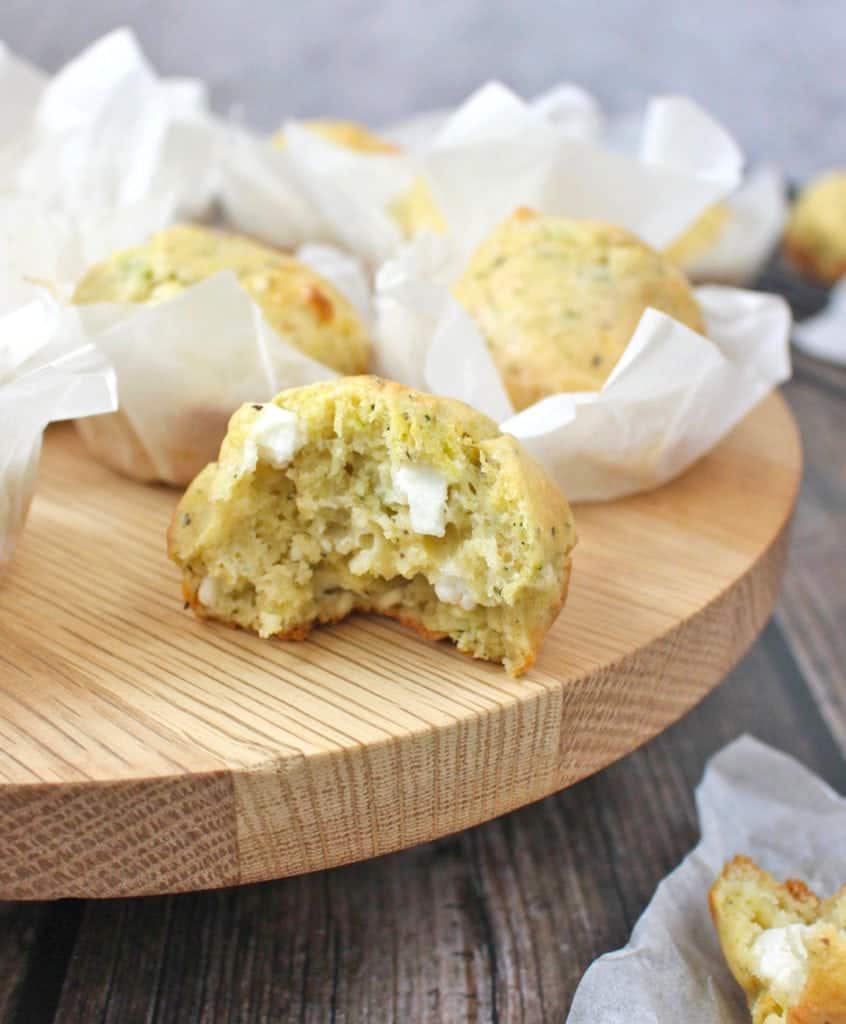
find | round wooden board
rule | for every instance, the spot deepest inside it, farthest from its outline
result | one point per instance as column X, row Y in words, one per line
column 143, row 751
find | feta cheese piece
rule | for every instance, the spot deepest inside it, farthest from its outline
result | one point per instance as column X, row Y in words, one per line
column 207, row 591
column 782, row 959
column 424, row 490
column 452, row 589
column 275, row 437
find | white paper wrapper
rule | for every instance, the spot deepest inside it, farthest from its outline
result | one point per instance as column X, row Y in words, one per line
column 21, row 86
column 106, row 133
column 183, row 367
column 312, row 191
column 261, row 195
column 824, row 335
column 752, row 800
column 566, row 105
column 94, row 160
column 496, row 152
column 316, row 190
column 757, row 208
column 757, row 212
column 105, row 154
column 674, row 394
column 44, row 377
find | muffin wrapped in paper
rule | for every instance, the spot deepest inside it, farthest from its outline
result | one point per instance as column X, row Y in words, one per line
column 44, row 377
column 92, row 161
column 106, row 133
column 673, row 392
column 107, row 155
column 313, row 189
column 728, row 243
column 191, row 343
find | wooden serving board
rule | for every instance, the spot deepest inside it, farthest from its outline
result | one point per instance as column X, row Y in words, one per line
column 142, row 751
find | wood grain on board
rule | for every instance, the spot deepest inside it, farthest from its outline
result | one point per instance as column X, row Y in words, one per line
column 497, row 923
column 144, row 751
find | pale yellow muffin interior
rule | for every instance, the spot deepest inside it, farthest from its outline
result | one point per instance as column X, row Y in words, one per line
column 307, row 310
column 362, row 495
column 558, row 300
column 349, row 134
column 702, row 234
column 785, row 947
column 815, row 238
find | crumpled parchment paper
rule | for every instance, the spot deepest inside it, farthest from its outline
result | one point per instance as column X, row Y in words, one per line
column 752, row 800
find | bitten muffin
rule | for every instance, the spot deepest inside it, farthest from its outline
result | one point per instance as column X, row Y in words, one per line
column 348, row 134
column 360, row 494
column 305, row 309
column 815, row 238
column 558, row 300
column 785, row 947
column 702, row 234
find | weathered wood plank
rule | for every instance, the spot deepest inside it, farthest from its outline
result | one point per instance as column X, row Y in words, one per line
column 813, row 605
column 35, row 943
column 495, row 924
column 19, row 924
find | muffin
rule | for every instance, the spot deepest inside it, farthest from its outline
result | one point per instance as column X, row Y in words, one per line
column 412, row 211
column 815, row 238
column 306, row 310
column 785, row 947
column 348, row 134
column 416, row 210
column 558, row 300
column 702, row 234
column 361, row 495
column 303, row 307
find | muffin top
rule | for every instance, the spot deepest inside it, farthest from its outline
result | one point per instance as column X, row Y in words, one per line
column 559, row 299
column 815, row 238
column 348, row 134
column 702, row 234
column 415, row 210
column 304, row 308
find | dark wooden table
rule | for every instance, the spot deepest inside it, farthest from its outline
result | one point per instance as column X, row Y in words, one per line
column 494, row 924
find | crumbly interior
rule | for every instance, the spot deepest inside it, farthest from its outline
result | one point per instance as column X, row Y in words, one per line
column 747, row 902
column 307, row 310
column 558, row 300
column 330, row 533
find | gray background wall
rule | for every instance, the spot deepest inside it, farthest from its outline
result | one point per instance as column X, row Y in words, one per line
column 773, row 70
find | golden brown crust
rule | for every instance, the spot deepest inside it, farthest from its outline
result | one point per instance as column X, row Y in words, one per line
column 558, row 299
column 824, row 995
column 306, row 310
column 807, row 261
column 745, row 901
column 815, row 236
column 303, row 631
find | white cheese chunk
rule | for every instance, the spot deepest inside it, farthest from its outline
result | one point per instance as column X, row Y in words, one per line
column 207, row 591
column 424, row 490
column 452, row 589
column 275, row 437
column 782, row 959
